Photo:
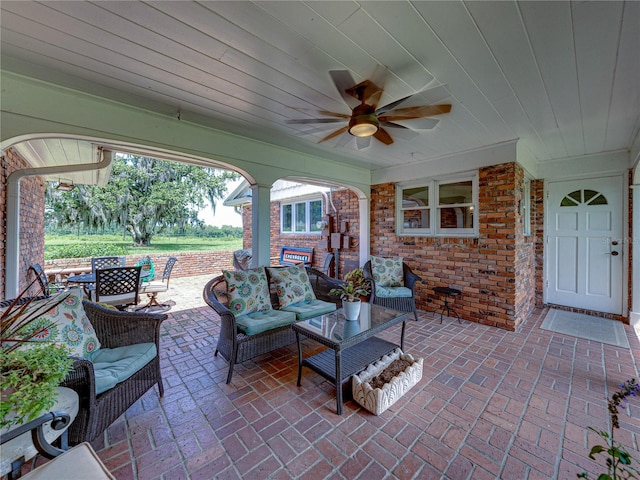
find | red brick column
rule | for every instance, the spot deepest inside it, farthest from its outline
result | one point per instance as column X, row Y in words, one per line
column 31, row 218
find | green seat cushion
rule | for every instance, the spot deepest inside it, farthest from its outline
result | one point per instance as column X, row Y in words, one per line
column 114, row 365
column 314, row 308
column 393, row 292
column 258, row 322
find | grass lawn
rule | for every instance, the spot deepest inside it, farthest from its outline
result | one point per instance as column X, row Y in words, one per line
column 73, row 246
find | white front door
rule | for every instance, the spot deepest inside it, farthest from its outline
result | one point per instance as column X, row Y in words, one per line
column 584, row 244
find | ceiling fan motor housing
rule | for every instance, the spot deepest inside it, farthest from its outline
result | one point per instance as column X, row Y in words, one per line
column 363, row 122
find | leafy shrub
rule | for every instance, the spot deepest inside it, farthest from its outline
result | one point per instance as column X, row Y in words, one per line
column 617, row 459
column 84, row 250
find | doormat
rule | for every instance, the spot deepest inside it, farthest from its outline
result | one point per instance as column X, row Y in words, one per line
column 584, row 326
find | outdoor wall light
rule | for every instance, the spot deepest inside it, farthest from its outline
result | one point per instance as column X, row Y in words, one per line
column 65, row 186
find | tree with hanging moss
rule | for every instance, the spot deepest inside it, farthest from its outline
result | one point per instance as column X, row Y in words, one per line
column 143, row 196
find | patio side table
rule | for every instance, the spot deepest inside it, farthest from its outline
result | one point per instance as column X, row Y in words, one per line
column 448, row 292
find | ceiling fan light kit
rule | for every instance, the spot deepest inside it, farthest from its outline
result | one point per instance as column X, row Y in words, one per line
column 366, row 120
column 363, row 122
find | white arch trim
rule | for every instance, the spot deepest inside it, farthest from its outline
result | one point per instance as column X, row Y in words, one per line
column 32, row 107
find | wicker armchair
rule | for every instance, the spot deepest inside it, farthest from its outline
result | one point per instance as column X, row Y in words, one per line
column 404, row 304
column 322, row 284
column 233, row 345
column 114, row 329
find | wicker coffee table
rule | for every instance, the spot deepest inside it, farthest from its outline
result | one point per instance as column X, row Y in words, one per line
column 352, row 343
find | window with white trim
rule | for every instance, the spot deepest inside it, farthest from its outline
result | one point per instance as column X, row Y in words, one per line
column 438, row 207
column 301, row 217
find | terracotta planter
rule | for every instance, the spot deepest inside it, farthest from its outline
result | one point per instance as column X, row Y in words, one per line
column 379, row 399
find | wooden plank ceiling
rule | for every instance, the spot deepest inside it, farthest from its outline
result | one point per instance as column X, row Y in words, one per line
column 562, row 77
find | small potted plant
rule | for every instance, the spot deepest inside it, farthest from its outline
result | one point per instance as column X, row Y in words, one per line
column 356, row 276
column 350, row 293
column 30, row 371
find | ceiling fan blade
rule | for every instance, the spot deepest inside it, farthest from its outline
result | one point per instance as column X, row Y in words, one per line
column 304, row 121
column 421, row 123
column 343, row 140
column 400, row 131
column 418, row 112
column 343, row 81
column 392, row 105
column 383, row 136
column 367, row 92
column 335, row 133
column 320, row 129
column 363, row 142
column 334, row 114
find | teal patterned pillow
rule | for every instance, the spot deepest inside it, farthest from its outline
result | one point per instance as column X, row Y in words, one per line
column 387, row 272
column 248, row 290
column 292, row 285
column 67, row 324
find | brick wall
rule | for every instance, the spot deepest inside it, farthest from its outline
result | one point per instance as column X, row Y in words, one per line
column 490, row 270
column 189, row 264
column 537, row 231
column 346, row 210
column 31, row 217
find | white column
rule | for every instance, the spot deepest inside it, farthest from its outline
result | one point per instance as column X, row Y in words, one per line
column 260, row 225
column 11, row 268
column 365, row 224
column 634, row 315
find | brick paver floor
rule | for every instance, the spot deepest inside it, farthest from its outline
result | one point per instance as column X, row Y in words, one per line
column 491, row 404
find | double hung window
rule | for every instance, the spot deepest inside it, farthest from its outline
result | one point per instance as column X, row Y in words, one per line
column 438, row 207
column 301, row 217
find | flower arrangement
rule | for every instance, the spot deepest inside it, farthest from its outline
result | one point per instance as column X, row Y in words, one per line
column 618, row 459
column 30, row 371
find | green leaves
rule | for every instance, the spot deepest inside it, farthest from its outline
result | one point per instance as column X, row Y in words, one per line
column 617, row 459
column 143, row 195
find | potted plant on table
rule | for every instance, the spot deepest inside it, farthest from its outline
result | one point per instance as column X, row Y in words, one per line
column 356, row 276
column 350, row 293
column 30, row 371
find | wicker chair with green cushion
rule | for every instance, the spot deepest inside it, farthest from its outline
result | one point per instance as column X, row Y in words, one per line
column 117, row 332
column 392, row 284
column 116, row 359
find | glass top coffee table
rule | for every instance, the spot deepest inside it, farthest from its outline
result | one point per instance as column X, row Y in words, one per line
column 352, row 343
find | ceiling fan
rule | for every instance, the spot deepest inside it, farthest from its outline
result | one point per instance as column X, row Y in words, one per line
column 367, row 119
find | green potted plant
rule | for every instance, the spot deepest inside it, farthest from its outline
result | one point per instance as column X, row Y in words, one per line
column 350, row 292
column 357, row 278
column 30, row 370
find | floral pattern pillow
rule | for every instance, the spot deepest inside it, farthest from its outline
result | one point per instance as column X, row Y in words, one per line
column 292, row 285
column 67, row 324
column 248, row 290
column 387, row 272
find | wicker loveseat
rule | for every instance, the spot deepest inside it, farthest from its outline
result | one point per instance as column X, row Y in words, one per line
column 236, row 346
